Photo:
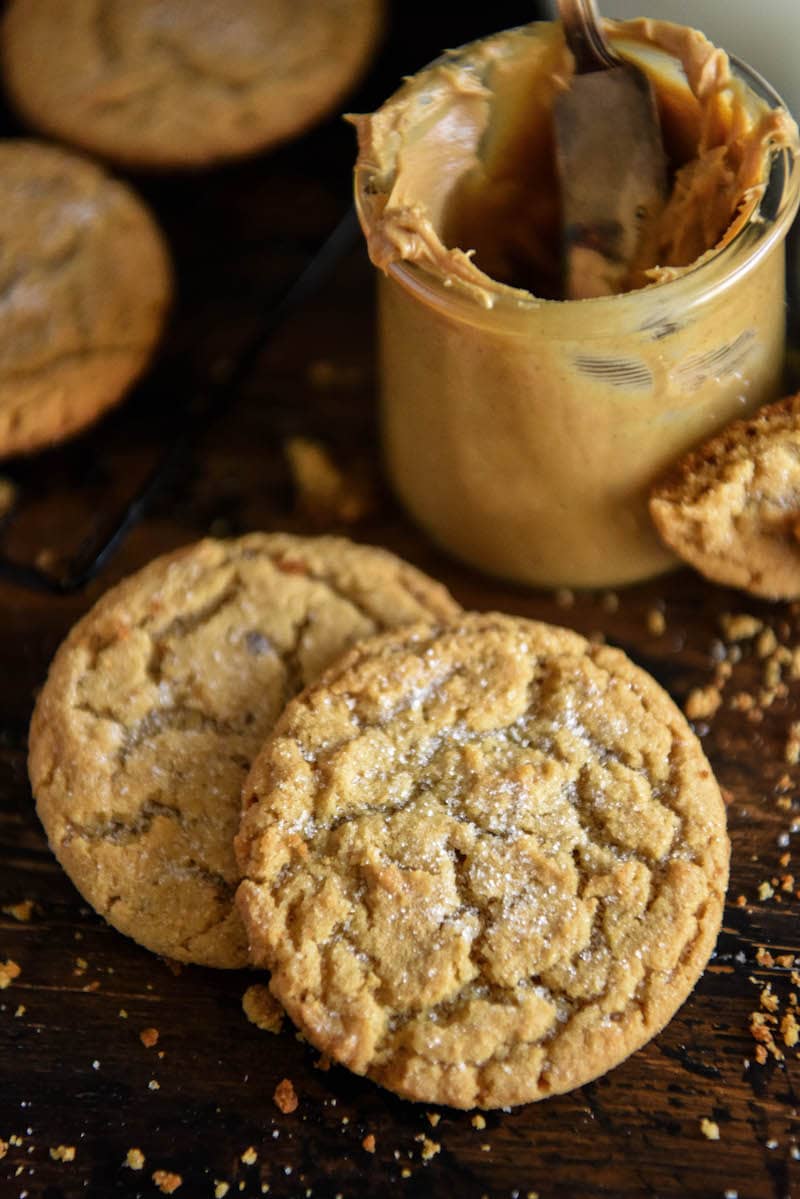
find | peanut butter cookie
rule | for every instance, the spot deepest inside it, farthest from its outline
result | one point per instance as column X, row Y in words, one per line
column 160, row 697
column 181, row 83
column 85, row 283
column 731, row 508
column 484, row 862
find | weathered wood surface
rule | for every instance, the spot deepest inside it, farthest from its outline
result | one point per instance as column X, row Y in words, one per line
column 74, row 1071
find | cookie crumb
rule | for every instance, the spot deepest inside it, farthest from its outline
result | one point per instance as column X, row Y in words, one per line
column 3, row 1147
column 249, row 1157
column 478, row 1121
column 405, row 1172
column 21, row 911
column 709, row 1129
column 765, row 890
column 63, row 1153
column 702, row 702
column 738, row 626
column 166, row 1181
column 325, row 492
column 134, row 1159
column 8, row 496
column 792, row 751
column 323, row 374
column 285, row 1097
column 149, row 1037
column 369, row 1143
column 262, row 1009
column 9, row 970
column 429, row 1149
column 433, row 1118
column 790, row 1030
column 323, row 1063
column 221, row 1189
column 656, row 622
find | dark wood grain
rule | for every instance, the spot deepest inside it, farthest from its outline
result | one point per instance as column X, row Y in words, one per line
column 74, row 1071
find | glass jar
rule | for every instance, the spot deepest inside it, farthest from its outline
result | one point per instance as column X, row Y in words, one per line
column 524, row 437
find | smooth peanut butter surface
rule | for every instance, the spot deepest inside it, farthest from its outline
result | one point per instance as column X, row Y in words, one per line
column 460, row 173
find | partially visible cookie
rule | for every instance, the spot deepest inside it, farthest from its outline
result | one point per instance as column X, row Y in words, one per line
column 181, row 83
column 160, row 697
column 731, row 507
column 484, row 863
column 85, row 281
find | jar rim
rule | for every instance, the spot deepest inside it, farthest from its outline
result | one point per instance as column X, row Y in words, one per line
column 715, row 272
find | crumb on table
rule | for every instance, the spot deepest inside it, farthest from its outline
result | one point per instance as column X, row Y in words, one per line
column 166, row 1181
column 262, row 1009
column 63, row 1153
column 285, row 1097
column 9, row 970
column 709, row 1129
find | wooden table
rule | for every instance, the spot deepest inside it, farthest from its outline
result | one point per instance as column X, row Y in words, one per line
column 200, row 1104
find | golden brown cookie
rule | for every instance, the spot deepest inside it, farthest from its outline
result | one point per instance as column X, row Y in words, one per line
column 160, row 697
column 731, row 508
column 181, row 83
column 483, row 862
column 86, row 282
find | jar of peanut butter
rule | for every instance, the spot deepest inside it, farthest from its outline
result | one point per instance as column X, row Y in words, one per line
column 523, row 431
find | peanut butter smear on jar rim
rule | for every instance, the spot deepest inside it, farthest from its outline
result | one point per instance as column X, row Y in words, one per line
column 523, row 431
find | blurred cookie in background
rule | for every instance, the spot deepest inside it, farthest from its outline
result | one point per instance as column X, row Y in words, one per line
column 183, row 83
column 85, row 284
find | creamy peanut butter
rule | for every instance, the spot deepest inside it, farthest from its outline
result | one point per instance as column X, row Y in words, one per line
column 522, row 430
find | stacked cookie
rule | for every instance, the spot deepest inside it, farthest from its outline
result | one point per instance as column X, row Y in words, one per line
column 86, row 278
column 483, row 859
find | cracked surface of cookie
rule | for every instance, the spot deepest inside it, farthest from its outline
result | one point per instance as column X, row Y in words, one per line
column 179, row 83
column 731, row 508
column 484, row 862
column 85, row 282
column 160, row 697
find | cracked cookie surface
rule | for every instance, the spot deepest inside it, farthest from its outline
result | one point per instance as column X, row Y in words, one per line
column 178, row 83
column 731, row 508
column 85, row 283
column 484, row 862
column 160, row 697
